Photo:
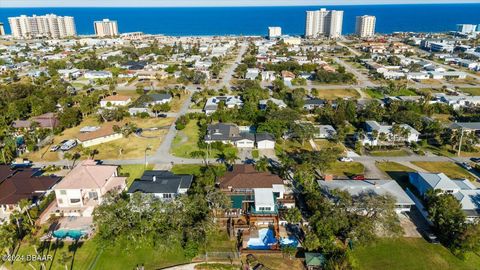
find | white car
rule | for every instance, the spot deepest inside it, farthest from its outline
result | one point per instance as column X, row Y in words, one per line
column 346, row 159
column 68, row 145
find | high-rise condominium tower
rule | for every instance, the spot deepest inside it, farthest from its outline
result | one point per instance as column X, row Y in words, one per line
column 274, row 32
column 324, row 22
column 365, row 26
column 106, row 28
column 49, row 25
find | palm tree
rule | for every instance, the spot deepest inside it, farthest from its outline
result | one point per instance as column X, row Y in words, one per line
column 24, row 207
column 262, row 164
column 199, row 154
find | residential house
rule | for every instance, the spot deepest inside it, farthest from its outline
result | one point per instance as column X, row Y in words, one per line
column 268, row 76
column 84, row 187
column 405, row 133
column 324, row 132
column 229, row 134
column 258, row 199
column 230, row 102
column 102, row 135
column 356, row 188
column 313, row 103
column 463, row 190
column 265, row 141
column 263, row 104
column 21, row 184
column 47, row 120
column 115, row 100
column 314, row 261
column 252, row 73
column 164, row 185
column 287, row 77
column 159, row 98
column 97, row 75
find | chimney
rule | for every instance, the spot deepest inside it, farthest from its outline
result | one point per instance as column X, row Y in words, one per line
column 328, row 177
column 154, row 179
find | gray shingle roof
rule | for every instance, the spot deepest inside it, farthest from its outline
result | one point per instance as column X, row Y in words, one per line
column 161, row 182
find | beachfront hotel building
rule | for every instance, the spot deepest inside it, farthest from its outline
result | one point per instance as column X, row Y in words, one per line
column 106, row 28
column 274, row 32
column 324, row 22
column 49, row 25
column 2, row 30
column 365, row 26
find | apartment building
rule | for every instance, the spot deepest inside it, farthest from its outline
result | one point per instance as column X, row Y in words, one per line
column 324, row 22
column 106, row 28
column 274, row 32
column 365, row 26
column 49, row 25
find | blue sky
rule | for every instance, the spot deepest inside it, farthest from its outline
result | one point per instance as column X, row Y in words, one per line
column 184, row 3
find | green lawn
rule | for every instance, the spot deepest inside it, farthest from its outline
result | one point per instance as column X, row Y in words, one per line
column 185, row 142
column 346, row 168
column 411, row 254
column 373, row 93
column 451, row 169
column 195, row 169
column 134, row 171
column 393, row 167
column 471, row 91
column 89, row 256
column 389, row 153
column 292, row 146
column 84, row 255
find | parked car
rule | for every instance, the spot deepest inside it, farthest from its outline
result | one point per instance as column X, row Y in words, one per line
column 68, row 145
column 358, row 177
column 21, row 163
column 54, row 148
column 430, row 237
column 346, row 159
column 476, row 160
column 466, row 166
column 162, row 115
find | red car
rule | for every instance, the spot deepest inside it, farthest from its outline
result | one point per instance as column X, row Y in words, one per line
column 358, row 177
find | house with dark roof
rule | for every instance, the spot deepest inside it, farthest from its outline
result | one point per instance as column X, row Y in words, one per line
column 229, row 134
column 19, row 184
column 312, row 104
column 157, row 98
column 241, row 137
column 164, row 185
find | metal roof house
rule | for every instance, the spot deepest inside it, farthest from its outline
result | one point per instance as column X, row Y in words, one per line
column 463, row 190
column 355, row 188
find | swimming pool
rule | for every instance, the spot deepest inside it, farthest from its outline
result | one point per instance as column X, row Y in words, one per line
column 63, row 233
column 266, row 239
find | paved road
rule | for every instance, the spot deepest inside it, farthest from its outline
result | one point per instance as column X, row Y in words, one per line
column 362, row 80
column 227, row 77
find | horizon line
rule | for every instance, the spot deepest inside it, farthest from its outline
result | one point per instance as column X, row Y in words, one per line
column 247, row 6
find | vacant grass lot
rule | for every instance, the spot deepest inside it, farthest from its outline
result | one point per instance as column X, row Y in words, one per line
column 337, row 93
column 346, row 169
column 471, row 91
column 452, row 170
column 389, row 153
column 125, row 148
column 412, row 254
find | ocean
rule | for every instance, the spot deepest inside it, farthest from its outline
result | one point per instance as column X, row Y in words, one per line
column 255, row 20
